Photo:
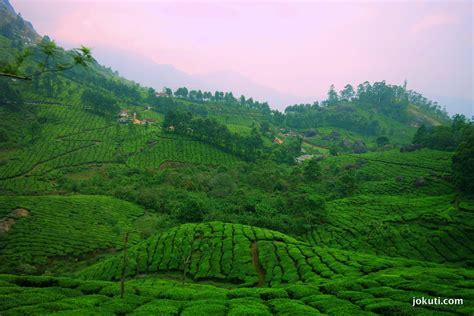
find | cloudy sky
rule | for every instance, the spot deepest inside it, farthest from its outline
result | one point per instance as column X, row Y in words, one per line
column 298, row 48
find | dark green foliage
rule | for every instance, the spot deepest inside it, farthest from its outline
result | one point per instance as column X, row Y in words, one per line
column 382, row 141
column 214, row 133
column 444, row 137
column 99, row 103
column 463, row 163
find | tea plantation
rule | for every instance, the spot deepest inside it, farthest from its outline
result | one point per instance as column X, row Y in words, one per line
column 71, row 137
column 285, row 276
column 116, row 199
column 435, row 229
column 233, row 255
column 391, row 172
column 37, row 231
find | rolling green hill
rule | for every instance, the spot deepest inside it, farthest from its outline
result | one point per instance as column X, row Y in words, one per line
column 302, row 277
column 432, row 229
column 228, row 207
column 39, row 231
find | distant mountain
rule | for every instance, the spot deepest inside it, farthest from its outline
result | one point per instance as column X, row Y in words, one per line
column 149, row 73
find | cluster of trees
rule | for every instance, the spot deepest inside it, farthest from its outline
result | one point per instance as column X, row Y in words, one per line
column 458, row 137
column 391, row 100
column 463, row 162
column 443, row 137
column 305, row 116
column 428, row 105
column 218, row 97
column 99, row 103
column 212, row 132
column 286, row 198
column 341, row 109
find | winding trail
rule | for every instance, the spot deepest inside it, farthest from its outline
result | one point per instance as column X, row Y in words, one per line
column 256, row 264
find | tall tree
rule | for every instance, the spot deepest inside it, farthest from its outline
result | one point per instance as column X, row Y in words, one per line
column 332, row 96
column 463, row 163
column 347, row 93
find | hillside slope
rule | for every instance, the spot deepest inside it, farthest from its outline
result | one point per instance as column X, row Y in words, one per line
column 37, row 232
column 248, row 256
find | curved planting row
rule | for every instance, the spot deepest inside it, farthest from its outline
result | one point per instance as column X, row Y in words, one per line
column 388, row 292
column 423, row 172
column 239, row 254
column 60, row 227
column 72, row 137
column 430, row 228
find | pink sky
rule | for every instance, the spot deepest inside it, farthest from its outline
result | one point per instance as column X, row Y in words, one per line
column 294, row 47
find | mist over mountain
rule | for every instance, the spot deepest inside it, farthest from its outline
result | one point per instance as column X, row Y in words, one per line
column 149, row 73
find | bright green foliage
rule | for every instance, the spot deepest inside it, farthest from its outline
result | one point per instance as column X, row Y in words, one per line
column 62, row 228
column 424, row 172
column 423, row 228
column 371, row 227
column 71, row 138
column 389, row 289
column 248, row 256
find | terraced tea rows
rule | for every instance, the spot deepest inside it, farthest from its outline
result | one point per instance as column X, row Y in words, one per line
column 384, row 294
column 72, row 137
column 430, row 228
column 303, row 278
column 180, row 150
column 57, row 227
column 424, row 172
column 243, row 255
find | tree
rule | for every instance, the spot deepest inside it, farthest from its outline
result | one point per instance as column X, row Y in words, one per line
column 264, row 127
column 181, row 92
column 347, row 93
column 463, row 163
column 312, row 170
column 421, row 135
column 98, row 103
column 242, row 100
column 151, row 95
column 190, row 210
column 332, row 96
column 47, row 58
column 222, row 185
column 348, row 184
column 382, row 141
column 168, row 92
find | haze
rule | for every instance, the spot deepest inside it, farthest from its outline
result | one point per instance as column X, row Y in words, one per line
column 282, row 51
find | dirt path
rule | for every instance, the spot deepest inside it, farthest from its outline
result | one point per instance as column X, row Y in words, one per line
column 256, row 264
